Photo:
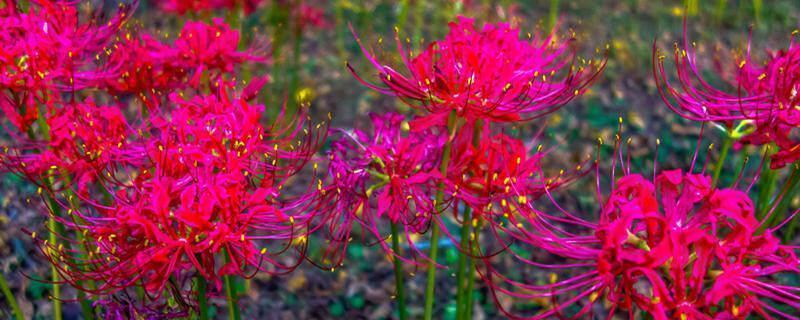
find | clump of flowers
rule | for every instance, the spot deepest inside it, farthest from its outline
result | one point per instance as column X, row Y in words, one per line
column 172, row 179
column 49, row 50
column 762, row 108
column 195, row 191
column 487, row 74
column 675, row 247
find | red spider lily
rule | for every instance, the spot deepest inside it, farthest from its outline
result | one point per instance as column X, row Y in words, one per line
column 487, row 74
column 378, row 178
column 500, row 168
column 676, row 248
column 197, row 191
column 83, row 139
column 144, row 66
column 309, row 16
column 203, row 47
column 765, row 96
column 49, row 50
column 196, row 6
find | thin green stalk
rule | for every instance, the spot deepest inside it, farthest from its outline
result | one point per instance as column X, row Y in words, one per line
column 402, row 15
column 202, row 299
column 294, row 72
column 766, row 184
column 431, row 284
column 341, row 29
column 10, row 298
column 553, row 16
column 726, row 147
column 757, row 6
column 462, row 262
column 419, row 14
column 719, row 12
column 466, row 229
column 471, row 276
column 52, row 224
column 398, row 274
column 233, row 309
column 787, row 193
column 230, row 292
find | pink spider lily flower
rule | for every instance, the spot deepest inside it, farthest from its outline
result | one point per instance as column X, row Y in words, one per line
column 144, row 66
column 48, row 50
column 762, row 109
column 200, row 193
column 308, row 16
column 380, row 178
column 83, row 138
column 675, row 248
column 212, row 47
column 487, row 74
column 500, row 168
column 183, row 7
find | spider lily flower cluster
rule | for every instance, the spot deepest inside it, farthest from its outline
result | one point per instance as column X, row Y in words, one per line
column 173, row 177
column 162, row 184
column 675, row 247
column 487, row 74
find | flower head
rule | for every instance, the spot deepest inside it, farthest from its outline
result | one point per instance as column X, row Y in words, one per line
column 763, row 107
column 381, row 177
column 488, row 74
column 675, row 247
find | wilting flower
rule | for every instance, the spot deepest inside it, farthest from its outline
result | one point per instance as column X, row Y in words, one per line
column 379, row 178
column 196, row 192
column 675, row 247
column 763, row 107
column 487, row 74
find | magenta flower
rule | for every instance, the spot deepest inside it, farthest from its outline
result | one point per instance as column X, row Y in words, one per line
column 487, row 74
column 198, row 191
column 765, row 97
column 676, row 248
column 382, row 177
column 203, row 47
column 46, row 51
column 197, row 6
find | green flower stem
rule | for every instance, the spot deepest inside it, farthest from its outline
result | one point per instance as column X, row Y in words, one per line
column 766, row 184
column 726, row 147
column 431, row 284
column 780, row 208
column 471, row 276
column 398, row 274
column 553, row 16
column 463, row 292
column 230, row 292
column 10, row 298
column 55, row 295
column 462, row 262
column 202, row 299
